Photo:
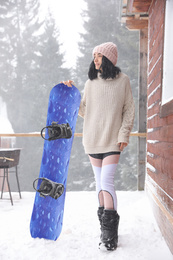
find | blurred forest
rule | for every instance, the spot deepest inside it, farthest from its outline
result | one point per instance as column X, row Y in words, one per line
column 31, row 63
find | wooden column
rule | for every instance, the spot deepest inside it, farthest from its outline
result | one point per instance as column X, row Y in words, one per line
column 142, row 108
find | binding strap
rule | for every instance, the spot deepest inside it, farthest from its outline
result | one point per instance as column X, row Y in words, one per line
column 49, row 188
column 57, row 131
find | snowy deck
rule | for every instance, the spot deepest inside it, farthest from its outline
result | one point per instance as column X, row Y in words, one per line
column 139, row 235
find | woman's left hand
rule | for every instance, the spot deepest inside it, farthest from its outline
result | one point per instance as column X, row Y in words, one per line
column 122, row 146
column 68, row 83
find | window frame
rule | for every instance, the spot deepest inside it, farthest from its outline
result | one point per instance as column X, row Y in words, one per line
column 166, row 108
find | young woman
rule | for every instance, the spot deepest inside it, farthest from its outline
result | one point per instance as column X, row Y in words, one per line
column 108, row 110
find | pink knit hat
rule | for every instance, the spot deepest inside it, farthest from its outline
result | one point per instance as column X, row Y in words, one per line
column 109, row 50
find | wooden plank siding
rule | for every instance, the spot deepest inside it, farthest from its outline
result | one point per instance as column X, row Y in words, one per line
column 159, row 180
column 164, row 218
column 150, row 14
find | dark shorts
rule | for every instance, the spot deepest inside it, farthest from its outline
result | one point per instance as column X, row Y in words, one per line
column 103, row 155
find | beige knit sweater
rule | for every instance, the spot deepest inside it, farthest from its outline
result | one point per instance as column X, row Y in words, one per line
column 108, row 110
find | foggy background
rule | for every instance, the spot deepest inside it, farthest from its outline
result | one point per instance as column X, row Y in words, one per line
column 40, row 46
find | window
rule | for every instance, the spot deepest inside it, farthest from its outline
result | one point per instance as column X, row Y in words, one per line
column 167, row 82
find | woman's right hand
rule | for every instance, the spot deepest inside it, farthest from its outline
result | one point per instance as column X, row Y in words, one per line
column 68, row 83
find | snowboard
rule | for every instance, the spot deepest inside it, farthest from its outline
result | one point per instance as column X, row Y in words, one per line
column 47, row 215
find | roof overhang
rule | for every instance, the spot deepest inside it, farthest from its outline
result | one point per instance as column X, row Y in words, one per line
column 135, row 13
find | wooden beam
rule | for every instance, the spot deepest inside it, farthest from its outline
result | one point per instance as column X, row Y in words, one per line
column 133, row 24
column 142, row 107
column 141, row 6
column 130, row 6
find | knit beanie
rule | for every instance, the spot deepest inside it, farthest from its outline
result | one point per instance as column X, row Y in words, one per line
column 109, row 50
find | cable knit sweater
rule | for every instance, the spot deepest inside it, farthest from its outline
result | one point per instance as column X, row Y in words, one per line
column 108, row 110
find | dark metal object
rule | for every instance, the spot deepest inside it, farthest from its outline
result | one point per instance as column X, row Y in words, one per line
column 57, row 131
column 49, row 188
column 9, row 158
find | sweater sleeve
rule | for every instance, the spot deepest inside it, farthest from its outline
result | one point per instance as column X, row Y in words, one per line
column 128, row 114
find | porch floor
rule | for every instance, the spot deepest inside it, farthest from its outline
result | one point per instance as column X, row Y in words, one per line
column 139, row 235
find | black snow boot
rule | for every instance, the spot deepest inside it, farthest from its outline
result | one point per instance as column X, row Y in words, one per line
column 110, row 222
column 100, row 212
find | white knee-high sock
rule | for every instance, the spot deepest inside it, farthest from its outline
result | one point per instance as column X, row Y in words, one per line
column 107, row 184
column 97, row 174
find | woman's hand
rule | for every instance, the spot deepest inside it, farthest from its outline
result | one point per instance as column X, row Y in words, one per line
column 68, row 83
column 122, row 146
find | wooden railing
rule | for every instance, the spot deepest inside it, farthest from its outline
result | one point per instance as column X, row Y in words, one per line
column 37, row 134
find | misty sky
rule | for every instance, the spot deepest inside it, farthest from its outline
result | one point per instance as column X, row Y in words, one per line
column 69, row 21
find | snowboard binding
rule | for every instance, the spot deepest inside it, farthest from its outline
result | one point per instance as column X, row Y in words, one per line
column 57, row 131
column 49, row 188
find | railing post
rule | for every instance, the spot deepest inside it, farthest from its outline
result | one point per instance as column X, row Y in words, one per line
column 142, row 108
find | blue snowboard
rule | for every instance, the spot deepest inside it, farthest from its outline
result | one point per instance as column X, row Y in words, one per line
column 47, row 216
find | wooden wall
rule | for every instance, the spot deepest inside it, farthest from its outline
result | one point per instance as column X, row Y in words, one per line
column 159, row 179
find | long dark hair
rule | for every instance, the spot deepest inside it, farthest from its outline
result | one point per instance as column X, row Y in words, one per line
column 108, row 70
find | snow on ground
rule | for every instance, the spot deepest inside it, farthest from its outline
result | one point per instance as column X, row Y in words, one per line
column 139, row 235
